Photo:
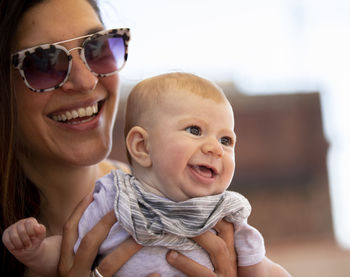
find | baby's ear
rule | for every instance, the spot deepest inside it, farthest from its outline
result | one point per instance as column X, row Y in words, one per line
column 137, row 145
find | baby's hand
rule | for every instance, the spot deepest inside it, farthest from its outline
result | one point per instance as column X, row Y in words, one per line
column 24, row 237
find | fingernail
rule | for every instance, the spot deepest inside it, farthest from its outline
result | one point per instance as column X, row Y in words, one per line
column 173, row 255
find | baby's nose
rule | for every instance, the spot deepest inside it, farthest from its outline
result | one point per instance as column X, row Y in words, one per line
column 213, row 147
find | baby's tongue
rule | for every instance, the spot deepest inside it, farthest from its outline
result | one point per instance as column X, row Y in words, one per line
column 202, row 170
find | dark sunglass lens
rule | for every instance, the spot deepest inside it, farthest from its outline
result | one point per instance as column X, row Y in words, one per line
column 105, row 54
column 45, row 68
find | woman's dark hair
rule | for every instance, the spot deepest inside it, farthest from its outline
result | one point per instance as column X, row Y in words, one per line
column 19, row 198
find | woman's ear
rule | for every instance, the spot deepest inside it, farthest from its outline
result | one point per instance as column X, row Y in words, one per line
column 137, row 145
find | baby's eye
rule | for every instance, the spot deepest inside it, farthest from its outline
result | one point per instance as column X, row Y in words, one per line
column 194, row 130
column 227, row 141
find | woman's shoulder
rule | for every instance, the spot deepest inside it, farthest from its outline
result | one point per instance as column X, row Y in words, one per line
column 108, row 165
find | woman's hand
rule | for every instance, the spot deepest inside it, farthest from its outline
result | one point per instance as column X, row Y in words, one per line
column 79, row 264
column 221, row 251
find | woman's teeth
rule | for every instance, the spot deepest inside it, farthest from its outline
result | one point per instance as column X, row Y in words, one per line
column 73, row 114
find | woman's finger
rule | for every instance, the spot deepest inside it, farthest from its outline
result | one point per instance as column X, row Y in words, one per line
column 70, row 235
column 220, row 248
column 219, row 252
column 90, row 244
column 118, row 257
column 188, row 266
column 226, row 231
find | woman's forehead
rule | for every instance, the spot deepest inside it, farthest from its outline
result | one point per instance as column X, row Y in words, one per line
column 55, row 20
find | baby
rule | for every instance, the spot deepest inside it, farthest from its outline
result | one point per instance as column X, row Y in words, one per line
column 180, row 139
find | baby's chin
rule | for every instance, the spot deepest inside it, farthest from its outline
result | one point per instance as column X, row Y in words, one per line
column 188, row 195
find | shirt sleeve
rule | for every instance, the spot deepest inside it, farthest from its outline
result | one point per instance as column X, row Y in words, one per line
column 249, row 244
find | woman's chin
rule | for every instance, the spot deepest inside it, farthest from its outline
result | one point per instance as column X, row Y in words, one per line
column 86, row 157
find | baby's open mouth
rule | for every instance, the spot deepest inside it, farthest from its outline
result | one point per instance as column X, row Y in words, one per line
column 79, row 115
column 204, row 171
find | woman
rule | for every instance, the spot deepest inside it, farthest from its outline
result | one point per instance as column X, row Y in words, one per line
column 57, row 115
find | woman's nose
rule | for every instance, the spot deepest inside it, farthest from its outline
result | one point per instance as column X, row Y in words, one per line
column 213, row 147
column 80, row 79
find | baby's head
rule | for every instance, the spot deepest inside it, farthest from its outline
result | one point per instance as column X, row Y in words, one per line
column 180, row 136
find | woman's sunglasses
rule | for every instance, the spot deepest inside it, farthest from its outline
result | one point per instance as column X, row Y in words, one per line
column 46, row 67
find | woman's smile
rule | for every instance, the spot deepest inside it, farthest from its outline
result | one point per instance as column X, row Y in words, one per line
column 83, row 118
column 76, row 115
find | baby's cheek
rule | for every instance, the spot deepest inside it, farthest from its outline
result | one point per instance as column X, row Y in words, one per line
column 229, row 168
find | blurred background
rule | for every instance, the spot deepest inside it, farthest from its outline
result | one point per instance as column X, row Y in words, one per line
column 285, row 67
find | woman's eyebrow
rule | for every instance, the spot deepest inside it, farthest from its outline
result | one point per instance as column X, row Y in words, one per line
column 94, row 30
column 88, row 32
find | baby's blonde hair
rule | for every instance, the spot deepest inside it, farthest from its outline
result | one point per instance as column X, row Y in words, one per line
column 148, row 93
